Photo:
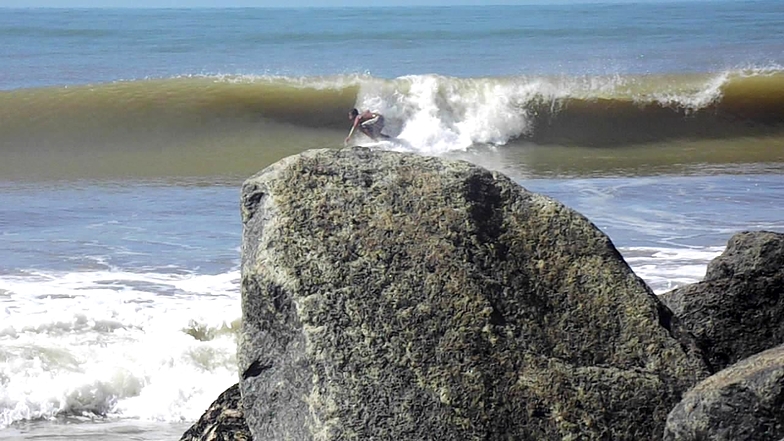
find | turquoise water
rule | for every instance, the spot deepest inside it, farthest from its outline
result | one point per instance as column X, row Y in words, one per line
column 125, row 135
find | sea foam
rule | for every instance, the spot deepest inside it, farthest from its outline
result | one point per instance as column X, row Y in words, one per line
column 113, row 343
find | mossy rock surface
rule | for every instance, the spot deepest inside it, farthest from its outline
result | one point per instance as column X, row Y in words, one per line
column 390, row 296
column 222, row 421
column 737, row 310
column 744, row 402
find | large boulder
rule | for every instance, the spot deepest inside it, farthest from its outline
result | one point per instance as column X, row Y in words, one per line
column 390, row 296
column 738, row 308
column 744, row 402
column 222, row 421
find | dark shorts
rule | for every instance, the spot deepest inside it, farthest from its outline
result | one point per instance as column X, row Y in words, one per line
column 373, row 125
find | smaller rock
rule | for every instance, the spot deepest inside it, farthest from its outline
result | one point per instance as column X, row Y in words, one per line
column 749, row 254
column 744, row 402
column 223, row 420
column 738, row 309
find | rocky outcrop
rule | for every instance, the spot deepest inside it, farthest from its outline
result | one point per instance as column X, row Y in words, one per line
column 738, row 309
column 744, row 402
column 223, row 420
column 394, row 297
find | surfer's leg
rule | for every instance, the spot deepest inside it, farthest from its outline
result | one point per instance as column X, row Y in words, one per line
column 368, row 132
column 378, row 126
column 372, row 128
column 375, row 130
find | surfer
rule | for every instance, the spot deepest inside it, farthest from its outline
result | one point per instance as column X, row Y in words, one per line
column 369, row 123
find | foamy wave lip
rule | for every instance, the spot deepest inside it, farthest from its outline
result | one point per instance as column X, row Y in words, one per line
column 710, row 93
column 117, row 344
column 756, row 71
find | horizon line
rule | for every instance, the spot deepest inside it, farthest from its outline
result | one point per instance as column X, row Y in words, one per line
column 373, row 6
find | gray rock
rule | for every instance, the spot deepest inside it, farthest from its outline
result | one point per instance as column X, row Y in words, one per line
column 749, row 254
column 390, row 296
column 744, row 402
column 738, row 309
column 223, row 420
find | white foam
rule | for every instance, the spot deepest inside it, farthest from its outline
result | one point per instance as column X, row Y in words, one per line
column 115, row 343
column 664, row 269
column 438, row 114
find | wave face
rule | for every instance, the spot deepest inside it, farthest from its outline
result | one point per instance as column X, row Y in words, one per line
column 220, row 124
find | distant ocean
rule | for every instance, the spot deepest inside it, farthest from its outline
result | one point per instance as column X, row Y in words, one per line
column 125, row 135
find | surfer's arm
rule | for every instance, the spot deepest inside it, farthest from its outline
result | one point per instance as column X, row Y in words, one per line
column 350, row 133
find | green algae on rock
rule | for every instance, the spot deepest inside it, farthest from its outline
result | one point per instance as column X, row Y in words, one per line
column 391, row 296
column 744, row 402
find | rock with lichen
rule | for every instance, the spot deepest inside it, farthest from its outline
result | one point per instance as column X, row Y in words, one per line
column 390, row 296
column 744, row 402
column 223, row 420
column 737, row 310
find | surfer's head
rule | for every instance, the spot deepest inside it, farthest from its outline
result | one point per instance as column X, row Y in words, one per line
column 353, row 113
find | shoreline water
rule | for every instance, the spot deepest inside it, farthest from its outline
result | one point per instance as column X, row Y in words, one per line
column 95, row 430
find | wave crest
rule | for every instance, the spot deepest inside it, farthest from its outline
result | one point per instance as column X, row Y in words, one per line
column 233, row 125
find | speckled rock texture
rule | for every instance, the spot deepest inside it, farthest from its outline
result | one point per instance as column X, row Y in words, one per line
column 744, row 402
column 738, row 309
column 389, row 296
column 223, row 420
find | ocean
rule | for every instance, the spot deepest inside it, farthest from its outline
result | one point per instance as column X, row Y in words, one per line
column 125, row 135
